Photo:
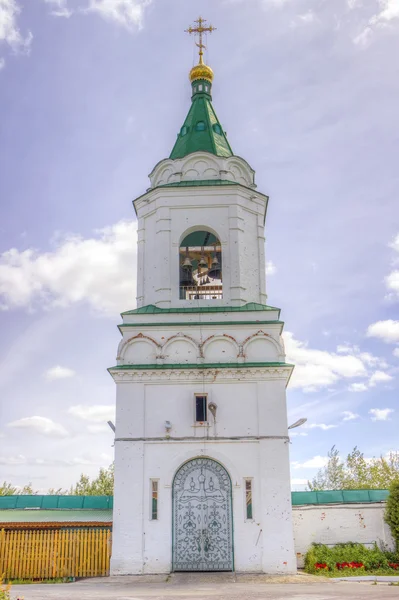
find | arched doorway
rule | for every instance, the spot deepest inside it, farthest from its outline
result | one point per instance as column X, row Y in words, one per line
column 202, row 517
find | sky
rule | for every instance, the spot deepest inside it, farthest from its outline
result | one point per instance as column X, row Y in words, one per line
column 92, row 95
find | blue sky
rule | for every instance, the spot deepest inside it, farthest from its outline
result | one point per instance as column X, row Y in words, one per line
column 92, row 95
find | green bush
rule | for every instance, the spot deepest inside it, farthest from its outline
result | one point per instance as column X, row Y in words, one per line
column 351, row 557
column 392, row 513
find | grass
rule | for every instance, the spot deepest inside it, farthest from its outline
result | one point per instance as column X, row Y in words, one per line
column 33, row 581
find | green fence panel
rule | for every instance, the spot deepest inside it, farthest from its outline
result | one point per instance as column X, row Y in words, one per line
column 8, row 502
column 70, row 502
column 299, row 498
column 329, row 497
column 356, row 495
column 28, row 502
column 378, row 495
column 96, row 502
column 50, row 502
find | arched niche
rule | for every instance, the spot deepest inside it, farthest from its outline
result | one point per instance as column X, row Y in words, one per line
column 200, row 266
column 139, row 351
column 180, row 350
column 262, row 348
column 220, row 349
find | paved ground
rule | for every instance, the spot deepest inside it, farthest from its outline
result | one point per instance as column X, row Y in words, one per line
column 201, row 587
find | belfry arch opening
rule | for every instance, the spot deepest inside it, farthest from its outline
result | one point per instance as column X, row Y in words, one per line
column 200, row 264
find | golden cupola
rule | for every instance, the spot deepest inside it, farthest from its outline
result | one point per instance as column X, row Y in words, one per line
column 201, row 71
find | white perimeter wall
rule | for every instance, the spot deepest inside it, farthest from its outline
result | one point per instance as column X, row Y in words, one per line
column 330, row 525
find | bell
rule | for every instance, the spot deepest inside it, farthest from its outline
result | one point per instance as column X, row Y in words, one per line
column 215, row 270
column 187, row 263
column 203, row 261
column 186, row 276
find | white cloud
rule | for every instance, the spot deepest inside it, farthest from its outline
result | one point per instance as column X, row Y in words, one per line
column 271, row 268
column 100, row 428
column 98, row 270
column 388, row 331
column 13, row 460
column 358, row 387
column 59, row 372
column 389, row 10
column 380, row 414
column 9, row 31
column 316, row 369
column 60, row 8
column 2, row 63
column 317, row 462
column 85, row 460
column 41, row 425
column 396, row 352
column 128, row 13
column 298, row 434
column 297, row 481
column 379, row 377
column 322, row 426
column 349, row 416
column 97, row 413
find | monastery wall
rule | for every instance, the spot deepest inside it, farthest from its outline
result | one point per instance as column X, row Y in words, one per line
column 339, row 523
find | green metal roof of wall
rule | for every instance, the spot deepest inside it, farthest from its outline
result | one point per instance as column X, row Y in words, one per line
column 107, row 502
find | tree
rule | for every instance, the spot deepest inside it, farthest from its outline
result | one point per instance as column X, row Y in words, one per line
column 356, row 472
column 331, row 476
column 7, row 489
column 392, row 512
column 102, row 485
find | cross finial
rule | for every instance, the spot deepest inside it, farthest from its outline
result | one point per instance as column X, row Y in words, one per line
column 199, row 30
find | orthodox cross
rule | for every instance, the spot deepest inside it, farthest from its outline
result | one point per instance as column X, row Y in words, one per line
column 199, row 30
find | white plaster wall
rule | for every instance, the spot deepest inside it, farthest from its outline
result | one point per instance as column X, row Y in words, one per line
column 334, row 524
column 261, row 544
column 233, row 213
column 245, row 408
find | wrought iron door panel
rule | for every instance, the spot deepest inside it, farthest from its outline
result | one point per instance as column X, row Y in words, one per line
column 202, row 517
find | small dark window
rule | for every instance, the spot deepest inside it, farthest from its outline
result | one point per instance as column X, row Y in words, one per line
column 200, row 126
column 154, row 500
column 184, row 130
column 201, row 409
column 217, row 129
column 248, row 499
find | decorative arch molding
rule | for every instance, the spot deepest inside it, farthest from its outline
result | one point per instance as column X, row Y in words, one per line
column 224, row 337
column 140, row 337
column 195, row 228
column 259, row 335
column 187, row 456
column 181, row 337
column 202, row 166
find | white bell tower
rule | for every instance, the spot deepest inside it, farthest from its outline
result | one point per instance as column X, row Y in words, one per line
column 202, row 479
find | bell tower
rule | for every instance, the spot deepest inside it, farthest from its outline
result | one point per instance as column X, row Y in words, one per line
column 201, row 446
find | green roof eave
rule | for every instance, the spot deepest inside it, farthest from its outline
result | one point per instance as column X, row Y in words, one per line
column 199, row 366
column 151, row 309
column 199, row 324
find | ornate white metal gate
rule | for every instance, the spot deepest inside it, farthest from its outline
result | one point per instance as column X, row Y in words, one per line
column 202, row 517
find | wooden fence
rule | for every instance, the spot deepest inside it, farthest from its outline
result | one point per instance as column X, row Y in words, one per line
column 50, row 554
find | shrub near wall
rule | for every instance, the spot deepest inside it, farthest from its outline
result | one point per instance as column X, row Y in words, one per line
column 350, row 559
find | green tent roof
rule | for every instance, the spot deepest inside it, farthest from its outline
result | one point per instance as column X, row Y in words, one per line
column 201, row 130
